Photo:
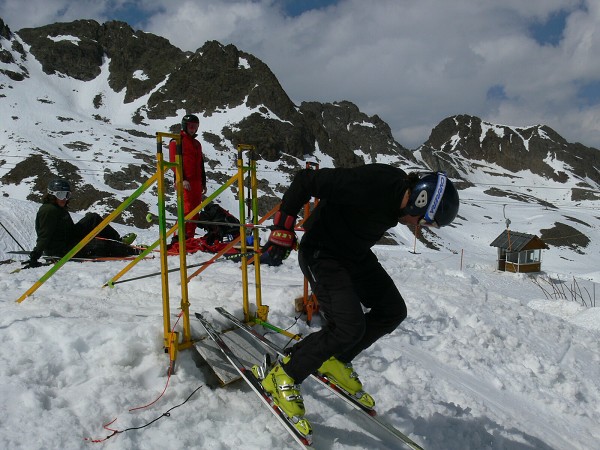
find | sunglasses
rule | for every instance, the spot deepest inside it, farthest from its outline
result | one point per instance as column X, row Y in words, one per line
column 61, row 195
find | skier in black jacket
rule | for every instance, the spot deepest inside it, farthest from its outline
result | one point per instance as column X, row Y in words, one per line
column 356, row 207
column 57, row 233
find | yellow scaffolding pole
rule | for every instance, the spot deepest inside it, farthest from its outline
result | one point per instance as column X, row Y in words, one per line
column 152, row 246
column 185, row 303
column 242, row 206
column 262, row 311
column 89, row 237
column 161, row 164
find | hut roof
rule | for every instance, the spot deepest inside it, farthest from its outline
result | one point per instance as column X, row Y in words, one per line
column 516, row 242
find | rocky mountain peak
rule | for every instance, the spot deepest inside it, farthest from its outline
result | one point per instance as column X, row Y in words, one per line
column 11, row 51
column 4, row 30
column 341, row 129
column 214, row 78
column 537, row 148
column 138, row 61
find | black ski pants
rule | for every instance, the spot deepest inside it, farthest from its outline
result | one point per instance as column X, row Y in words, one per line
column 342, row 288
column 98, row 248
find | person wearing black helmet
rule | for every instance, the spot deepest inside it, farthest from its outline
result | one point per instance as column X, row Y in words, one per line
column 194, row 176
column 57, row 233
column 356, row 207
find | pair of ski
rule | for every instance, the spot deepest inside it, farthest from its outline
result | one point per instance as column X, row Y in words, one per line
column 249, row 377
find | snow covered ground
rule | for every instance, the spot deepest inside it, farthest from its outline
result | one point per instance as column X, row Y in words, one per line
column 483, row 361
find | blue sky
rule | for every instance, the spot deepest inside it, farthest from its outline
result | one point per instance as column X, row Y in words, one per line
column 297, row 7
column 550, row 31
column 412, row 62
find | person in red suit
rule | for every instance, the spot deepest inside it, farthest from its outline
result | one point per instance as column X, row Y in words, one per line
column 194, row 176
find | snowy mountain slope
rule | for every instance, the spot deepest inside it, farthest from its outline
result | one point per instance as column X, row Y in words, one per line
column 214, row 81
column 55, row 124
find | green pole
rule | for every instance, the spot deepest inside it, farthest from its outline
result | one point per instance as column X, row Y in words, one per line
column 88, row 238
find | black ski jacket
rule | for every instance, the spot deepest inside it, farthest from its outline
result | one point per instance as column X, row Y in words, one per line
column 55, row 230
column 356, row 206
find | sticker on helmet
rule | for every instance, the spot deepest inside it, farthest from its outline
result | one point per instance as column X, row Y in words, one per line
column 437, row 197
column 421, row 200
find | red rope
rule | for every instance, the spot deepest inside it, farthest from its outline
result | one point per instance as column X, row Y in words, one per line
column 168, row 373
column 106, row 426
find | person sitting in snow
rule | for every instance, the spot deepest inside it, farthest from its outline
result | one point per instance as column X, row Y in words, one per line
column 226, row 227
column 57, row 233
column 356, row 207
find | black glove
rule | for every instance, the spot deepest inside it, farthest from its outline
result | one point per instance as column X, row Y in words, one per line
column 281, row 240
column 31, row 264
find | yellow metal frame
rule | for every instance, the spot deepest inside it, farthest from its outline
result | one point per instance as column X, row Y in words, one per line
column 262, row 311
column 171, row 338
column 88, row 238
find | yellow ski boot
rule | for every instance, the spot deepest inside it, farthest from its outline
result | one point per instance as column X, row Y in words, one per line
column 343, row 375
column 286, row 395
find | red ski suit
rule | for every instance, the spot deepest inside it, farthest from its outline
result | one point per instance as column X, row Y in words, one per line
column 193, row 172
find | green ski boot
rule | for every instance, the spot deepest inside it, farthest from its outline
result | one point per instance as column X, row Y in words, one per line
column 285, row 394
column 128, row 238
column 343, row 375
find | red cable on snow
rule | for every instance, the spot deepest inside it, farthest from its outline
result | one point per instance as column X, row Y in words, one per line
column 106, row 426
column 168, row 373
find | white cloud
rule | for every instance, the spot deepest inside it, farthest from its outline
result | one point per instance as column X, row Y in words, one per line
column 411, row 62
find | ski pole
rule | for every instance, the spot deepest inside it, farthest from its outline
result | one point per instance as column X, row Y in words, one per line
column 12, row 236
column 136, row 247
column 232, row 256
column 151, row 217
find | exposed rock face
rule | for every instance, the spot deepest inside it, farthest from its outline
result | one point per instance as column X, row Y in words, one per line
column 537, row 148
column 563, row 235
column 10, row 56
column 138, row 60
column 4, row 30
column 214, row 77
column 341, row 129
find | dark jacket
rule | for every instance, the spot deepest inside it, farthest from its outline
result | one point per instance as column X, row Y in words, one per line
column 356, row 206
column 55, row 231
column 57, row 234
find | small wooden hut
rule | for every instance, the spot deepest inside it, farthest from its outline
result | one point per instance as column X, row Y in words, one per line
column 519, row 252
